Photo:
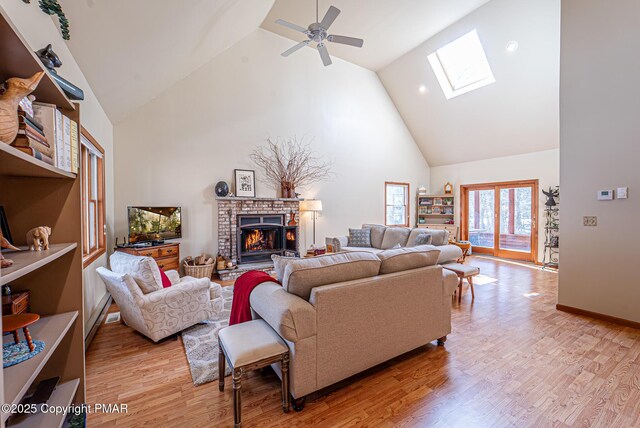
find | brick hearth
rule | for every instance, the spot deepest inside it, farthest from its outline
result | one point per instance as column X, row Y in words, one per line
column 230, row 207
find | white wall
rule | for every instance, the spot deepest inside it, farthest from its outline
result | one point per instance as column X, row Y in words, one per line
column 599, row 105
column 543, row 166
column 515, row 115
column 39, row 30
column 174, row 149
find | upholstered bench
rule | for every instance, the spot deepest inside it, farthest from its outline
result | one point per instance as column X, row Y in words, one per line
column 251, row 345
column 464, row 272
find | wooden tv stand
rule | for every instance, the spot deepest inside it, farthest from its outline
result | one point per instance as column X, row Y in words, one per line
column 166, row 255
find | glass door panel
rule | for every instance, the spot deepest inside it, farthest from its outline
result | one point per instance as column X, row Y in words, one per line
column 481, row 218
column 516, row 218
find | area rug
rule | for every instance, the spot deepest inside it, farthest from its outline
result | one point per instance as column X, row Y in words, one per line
column 201, row 344
column 14, row 353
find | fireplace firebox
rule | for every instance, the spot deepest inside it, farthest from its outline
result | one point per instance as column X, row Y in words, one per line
column 261, row 236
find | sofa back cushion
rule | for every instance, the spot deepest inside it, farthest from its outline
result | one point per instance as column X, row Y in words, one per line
column 302, row 275
column 394, row 236
column 401, row 259
column 280, row 263
column 438, row 236
column 377, row 233
column 144, row 270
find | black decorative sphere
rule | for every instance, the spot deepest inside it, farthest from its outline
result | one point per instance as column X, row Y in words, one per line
column 222, row 188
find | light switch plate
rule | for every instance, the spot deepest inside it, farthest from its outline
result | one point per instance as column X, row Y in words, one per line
column 622, row 193
column 590, row 220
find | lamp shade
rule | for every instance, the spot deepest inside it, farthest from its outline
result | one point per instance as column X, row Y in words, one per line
column 311, row 205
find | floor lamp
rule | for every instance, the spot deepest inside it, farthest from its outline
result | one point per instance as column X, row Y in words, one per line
column 315, row 206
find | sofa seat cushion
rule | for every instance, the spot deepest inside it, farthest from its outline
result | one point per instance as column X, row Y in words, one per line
column 368, row 250
column 250, row 342
column 144, row 270
column 377, row 233
column 449, row 253
column 406, row 258
column 301, row 276
column 395, row 235
column 438, row 236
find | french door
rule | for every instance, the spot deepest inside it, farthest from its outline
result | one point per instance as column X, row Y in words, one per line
column 500, row 219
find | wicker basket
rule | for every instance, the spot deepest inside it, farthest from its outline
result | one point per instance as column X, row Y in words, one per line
column 199, row 271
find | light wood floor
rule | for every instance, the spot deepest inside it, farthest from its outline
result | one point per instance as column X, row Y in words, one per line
column 511, row 360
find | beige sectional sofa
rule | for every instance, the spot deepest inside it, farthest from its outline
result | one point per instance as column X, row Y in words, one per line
column 384, row 238
column 343, row 313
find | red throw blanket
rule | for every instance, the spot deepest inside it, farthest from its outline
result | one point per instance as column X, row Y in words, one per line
column 240, row 307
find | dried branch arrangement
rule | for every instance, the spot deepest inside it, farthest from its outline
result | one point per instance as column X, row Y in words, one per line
column 290, row 164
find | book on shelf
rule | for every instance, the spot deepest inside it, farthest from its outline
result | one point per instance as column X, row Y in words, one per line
column 24, row 118
column 66, row 138
column 46, row 115
column 24, row 141
column 74, row 147
column 24, row 129
column 37, row 154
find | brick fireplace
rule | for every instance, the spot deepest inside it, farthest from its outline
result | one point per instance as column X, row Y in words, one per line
column 250, row 230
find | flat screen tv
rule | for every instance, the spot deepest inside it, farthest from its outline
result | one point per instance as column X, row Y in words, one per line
column 148, row 224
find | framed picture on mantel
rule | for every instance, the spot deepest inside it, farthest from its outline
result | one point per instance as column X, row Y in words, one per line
column 245, row 183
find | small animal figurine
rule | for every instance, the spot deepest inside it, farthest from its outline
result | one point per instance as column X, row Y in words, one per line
column 49, row 58
column 17, row 89
column 4, row 243
column 38, row 238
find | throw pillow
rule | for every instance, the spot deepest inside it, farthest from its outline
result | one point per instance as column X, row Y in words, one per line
column 280, row 263
column 360, row 238
column 166, row 282
column 424, row 239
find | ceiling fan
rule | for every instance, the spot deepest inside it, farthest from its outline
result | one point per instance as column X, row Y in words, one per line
column 319, row 32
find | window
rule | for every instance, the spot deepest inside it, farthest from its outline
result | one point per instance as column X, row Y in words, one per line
column 396, row 201
column 93, row 209
column 461, row 66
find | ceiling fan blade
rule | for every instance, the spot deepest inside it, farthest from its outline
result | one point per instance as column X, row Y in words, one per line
column 292, row 26
column 352, row 41
column 295, row 48
column 329, row 17
column 324, row 54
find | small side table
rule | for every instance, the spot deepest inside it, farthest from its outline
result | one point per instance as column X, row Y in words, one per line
column 465, row 247
column 13, row 323
column 251, row 345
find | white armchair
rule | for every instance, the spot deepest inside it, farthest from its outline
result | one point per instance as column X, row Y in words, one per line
column 163, row 311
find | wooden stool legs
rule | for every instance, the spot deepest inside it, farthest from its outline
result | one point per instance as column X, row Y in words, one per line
column 236, row 377
column 27, row 335
column 285, row 383
column 221, row 368
column 237, row 397
column 470, row 281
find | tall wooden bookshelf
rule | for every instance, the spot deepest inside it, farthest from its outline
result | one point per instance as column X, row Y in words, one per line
column 34, row 193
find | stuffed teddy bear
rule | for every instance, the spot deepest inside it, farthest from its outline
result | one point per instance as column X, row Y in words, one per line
column 38, row 238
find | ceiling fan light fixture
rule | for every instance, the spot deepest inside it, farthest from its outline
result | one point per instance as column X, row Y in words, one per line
column 318, row 32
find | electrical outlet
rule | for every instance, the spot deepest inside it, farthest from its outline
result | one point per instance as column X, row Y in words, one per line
column 590, row 220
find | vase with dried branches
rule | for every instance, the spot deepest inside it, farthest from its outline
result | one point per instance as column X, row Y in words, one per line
column 290, row 164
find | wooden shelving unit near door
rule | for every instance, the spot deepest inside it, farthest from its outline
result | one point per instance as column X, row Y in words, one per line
column 37, row 194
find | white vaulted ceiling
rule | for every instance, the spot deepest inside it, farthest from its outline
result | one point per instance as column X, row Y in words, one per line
column 390, row 28
column 132, row 50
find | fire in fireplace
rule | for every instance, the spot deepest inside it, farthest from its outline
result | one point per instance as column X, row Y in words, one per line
column 260, row 236
column 259, row 240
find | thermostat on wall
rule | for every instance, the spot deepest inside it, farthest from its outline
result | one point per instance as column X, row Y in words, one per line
column 605, row 195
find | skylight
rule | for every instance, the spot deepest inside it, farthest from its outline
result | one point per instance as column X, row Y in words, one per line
column 461, row 66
